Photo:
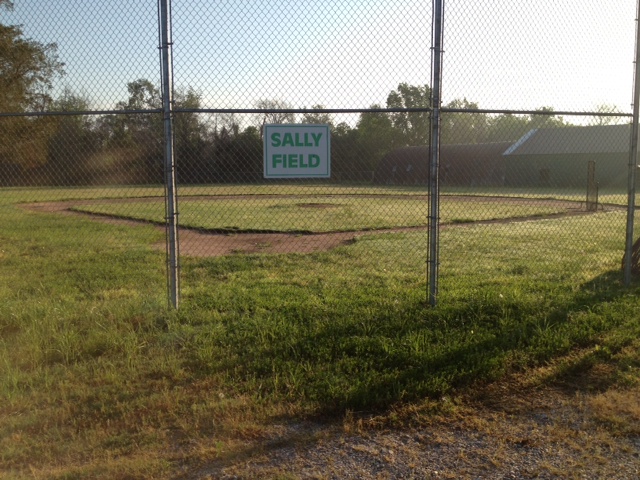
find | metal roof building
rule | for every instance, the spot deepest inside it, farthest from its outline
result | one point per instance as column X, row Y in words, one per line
column 558, row 157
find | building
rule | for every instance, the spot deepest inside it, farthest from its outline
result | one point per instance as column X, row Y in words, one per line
column 460, row 165
column 559, row 157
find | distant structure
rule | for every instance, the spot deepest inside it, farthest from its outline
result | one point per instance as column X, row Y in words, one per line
column 559, row 157
column 544, row 157
column 460, row 165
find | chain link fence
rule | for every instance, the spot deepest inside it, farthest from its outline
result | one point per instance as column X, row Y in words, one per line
column 534, row 131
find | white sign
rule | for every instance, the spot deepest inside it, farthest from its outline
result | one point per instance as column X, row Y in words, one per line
column 297, row 151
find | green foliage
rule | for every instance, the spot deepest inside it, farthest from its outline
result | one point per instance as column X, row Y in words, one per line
column 462, row 128
column 412, row 128
column 27, row 70
column 190, row 135
column 318, row 118
column 271, row 116
column 507, row 127
column 71, row 165
column 140, row 134
column 375, row 136
column 545, row 119
column 129, row 149
column 140, row 128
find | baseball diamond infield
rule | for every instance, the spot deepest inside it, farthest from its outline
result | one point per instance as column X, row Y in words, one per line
column 198, row 242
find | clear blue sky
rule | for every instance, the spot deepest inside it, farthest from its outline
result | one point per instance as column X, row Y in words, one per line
column 569, row 54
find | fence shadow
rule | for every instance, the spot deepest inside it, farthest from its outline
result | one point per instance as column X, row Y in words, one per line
column 417, row 352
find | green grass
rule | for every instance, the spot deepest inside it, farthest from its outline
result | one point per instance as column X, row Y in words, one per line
column 614, row 196
column 33, row 194
column 99, row 379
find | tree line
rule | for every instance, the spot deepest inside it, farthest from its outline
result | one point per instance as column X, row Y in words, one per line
column 69, row 149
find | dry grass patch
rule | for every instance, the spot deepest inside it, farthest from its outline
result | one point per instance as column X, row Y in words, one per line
column 618, row 411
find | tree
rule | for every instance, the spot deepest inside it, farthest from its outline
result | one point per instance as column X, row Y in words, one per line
column 190, row 134
column 376, row 128
column 412, row 127
column 73, row 142
column 143, row 129
column 27, row 71
column 375, row 137
column 134, row 140
column 607, row 120
column 237, row 156
column 349, row 160
column 545, row 119
column 189, row 130
column 506, row 127
column 228, row 121
column 464, row 127
column 318, row 118
column 271, row 116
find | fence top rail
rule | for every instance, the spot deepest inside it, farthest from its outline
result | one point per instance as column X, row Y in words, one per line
column 320, row 110
column 52, row 113
column 535, row 112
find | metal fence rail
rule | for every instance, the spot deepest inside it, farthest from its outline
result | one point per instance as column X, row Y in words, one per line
column 452, row 130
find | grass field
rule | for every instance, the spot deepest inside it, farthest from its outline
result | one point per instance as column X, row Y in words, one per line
column 99, row 379
column 17, row 195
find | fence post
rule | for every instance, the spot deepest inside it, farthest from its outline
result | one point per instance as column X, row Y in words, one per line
column 434, row 150
column 633, row 158
column 171, row 202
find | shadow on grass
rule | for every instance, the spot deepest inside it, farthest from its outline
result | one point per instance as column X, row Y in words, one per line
column 382, row 376
column 371, row 358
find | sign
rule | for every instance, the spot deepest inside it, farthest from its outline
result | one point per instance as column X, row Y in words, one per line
column 297, row 151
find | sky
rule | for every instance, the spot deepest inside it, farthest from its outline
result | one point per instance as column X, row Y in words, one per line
column 501, row 54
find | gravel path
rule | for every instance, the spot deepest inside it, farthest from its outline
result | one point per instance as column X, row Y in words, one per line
column 514, row 429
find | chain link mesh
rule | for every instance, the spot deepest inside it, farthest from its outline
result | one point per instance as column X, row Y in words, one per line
column 534, row 139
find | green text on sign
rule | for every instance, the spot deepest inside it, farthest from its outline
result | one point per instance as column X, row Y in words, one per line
column 297, row 151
